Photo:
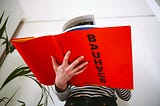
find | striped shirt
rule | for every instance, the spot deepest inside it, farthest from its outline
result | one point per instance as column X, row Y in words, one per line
column 93, row 91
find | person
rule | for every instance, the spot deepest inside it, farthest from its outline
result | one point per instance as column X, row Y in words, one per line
column 89, row 95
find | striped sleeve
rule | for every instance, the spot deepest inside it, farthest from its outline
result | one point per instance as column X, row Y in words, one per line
column 124, row 94
column 62, row 96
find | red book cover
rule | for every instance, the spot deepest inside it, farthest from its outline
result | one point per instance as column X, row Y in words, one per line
column 108, row 51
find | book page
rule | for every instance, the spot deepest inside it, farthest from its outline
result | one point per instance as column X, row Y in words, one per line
column 78, row 21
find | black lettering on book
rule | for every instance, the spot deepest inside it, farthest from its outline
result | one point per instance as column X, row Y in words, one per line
column 91, row 38
column 96, row 54
column 99, row 68
column 102, row 79
column 93, row 46
column 98, row 62
column 97, row 57
column 101, row 74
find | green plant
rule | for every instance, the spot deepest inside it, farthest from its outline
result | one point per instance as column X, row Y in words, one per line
column 21, row 71
column 4, row 36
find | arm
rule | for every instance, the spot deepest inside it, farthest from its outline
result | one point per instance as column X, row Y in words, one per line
column 124, row 94
column 65, row 72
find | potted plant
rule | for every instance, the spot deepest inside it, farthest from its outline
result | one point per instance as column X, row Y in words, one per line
column 20, row 71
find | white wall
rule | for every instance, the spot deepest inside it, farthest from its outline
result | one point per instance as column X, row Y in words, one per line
column 41, row 17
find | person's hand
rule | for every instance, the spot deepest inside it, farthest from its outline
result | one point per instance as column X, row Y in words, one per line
column 66, row 71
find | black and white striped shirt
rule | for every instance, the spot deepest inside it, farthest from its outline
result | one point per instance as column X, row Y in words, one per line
column 94, row 91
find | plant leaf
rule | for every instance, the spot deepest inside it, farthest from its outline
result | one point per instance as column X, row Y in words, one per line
column 1, row 17
column 3, row 27
column 22, row 103
column 40, row 104
column 19, row 71
column 34, row 80
column 11, row 97
column 4, row 42
column 48, row 93
column 31, row 76
column 11, row 47
column 3, row 99
column 40, row 100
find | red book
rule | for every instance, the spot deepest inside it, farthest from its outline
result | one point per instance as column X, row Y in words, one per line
column 108, row 51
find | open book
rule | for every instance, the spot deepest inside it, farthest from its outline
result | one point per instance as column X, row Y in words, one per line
column 108, row 51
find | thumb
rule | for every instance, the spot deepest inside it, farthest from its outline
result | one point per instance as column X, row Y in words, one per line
column 54, row 63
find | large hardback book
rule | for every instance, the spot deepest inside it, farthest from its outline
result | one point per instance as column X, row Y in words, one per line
column 108, row 51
